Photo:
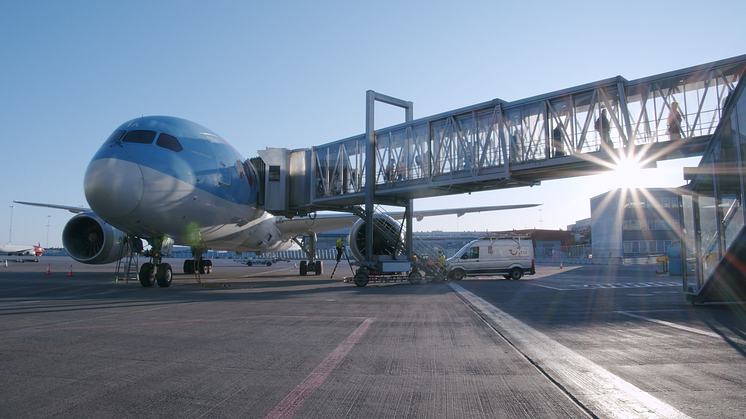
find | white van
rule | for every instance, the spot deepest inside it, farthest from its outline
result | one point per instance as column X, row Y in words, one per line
column 511, row 257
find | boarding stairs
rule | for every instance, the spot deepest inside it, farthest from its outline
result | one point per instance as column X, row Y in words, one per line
column 389, row 234
column 128, row 263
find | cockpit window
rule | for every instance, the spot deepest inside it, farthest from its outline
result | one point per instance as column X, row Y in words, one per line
column 169, row 141
column 115, row 136
column 139, row 136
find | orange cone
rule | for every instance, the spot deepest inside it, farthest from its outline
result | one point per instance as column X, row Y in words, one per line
column 48, row 270
column 560, row 265
column 71, row 271
column 295, row 266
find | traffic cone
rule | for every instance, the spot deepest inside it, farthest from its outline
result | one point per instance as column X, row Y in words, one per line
column 71, row 271
column 560, row 265
column 295, row 266
column 48, row 270
column 6, row 263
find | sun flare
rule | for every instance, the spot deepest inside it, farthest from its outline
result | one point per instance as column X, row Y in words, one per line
column 629, row 173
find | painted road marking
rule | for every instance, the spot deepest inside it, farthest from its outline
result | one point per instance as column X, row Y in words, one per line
column 604, row 393
column 293, row 401
column 576, row 287
column 674, row 325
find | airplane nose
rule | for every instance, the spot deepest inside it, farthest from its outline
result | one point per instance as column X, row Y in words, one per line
column 113, row 184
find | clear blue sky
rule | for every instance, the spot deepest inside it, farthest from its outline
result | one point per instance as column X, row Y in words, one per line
column 294, row 74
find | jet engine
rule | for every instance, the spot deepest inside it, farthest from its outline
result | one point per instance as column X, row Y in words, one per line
column 387, row 237
column 88, row 239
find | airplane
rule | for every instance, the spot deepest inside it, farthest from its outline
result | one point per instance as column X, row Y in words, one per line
column 20, row 250
column 168, row 180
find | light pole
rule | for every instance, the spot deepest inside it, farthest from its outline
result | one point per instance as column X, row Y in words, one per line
column 541, row 220
column 49, row 218
column 10, row 231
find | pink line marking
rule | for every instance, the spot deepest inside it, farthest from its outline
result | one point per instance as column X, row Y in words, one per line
column 295, row 399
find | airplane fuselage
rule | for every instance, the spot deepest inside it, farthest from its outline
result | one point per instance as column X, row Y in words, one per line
column 164, row 176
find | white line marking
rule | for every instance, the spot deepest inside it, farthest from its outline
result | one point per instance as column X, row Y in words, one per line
column 674, row 325
column 599, row 390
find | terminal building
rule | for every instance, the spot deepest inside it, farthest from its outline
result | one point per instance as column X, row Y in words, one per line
column 635, row 223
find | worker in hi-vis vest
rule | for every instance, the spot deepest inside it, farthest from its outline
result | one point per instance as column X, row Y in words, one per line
column 340, row 246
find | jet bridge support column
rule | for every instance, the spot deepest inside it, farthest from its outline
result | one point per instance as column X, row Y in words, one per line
column 370, row 179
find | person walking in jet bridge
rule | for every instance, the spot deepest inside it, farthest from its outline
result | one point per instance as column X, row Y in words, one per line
column 340, row 246
column 603, row 128
column 674, row 122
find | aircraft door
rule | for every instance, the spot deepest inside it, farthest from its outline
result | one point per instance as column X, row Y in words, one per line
column 221, row 158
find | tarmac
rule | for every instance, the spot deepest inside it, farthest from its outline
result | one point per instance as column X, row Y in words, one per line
column 264, row 342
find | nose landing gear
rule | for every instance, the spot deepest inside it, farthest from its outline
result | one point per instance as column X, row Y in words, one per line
column 156, row 271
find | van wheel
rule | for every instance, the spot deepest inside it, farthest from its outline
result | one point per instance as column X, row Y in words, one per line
column 458, row 274
column 516, row 273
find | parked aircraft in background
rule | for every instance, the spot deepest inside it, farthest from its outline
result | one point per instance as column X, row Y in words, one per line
column 168, row 180
column 20, row 250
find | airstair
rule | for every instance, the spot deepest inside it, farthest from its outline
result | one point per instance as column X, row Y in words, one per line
column 128, row 262
column 394, row 264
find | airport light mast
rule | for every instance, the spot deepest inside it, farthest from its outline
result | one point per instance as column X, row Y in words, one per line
column 10, row 230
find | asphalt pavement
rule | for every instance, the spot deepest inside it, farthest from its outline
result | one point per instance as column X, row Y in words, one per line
column 264, row 342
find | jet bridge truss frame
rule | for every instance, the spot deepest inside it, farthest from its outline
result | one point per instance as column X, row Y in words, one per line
column 501, row 144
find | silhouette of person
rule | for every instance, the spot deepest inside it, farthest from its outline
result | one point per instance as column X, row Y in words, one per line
column 674, row 122
column 557, row 141
column 603, row 128
column 514, row 147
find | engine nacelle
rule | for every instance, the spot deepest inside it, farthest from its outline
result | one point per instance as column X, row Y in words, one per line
column 383, row 244
column 88, row 239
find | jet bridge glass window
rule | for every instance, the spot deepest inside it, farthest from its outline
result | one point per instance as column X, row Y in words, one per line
column 115, row 136
column 169, row 141
column 139, row 136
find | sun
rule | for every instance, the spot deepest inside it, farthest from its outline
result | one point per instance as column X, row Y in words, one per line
column 629, row 173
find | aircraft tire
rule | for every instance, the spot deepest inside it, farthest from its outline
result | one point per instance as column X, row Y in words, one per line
column 189, row 266
column 144, row 275
column 303, row 268
column 516, row 273
column 361, row 278
column 163, row 275
column 319, row 267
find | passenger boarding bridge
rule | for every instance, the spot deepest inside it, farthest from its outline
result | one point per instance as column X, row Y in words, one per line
column 498, row 144
column 501, row 144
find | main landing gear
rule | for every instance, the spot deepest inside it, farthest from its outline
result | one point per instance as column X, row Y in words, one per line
column 308, row 245
column 198, row 264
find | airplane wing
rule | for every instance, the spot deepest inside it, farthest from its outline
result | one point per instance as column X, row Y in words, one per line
column 419, row 215
column 327, row 222
column 321, row 223
column 74, row 210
